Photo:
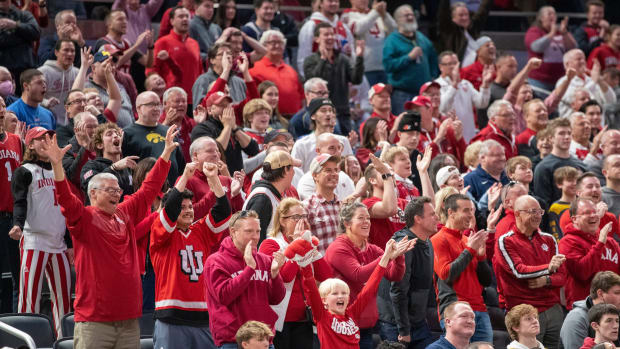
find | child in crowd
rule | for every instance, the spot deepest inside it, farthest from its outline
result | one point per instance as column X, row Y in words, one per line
column 335, row 319
column 564, row 178
column 523, row 327
column 253, row 335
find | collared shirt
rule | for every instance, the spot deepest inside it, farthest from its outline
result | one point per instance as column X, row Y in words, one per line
column 286, row 79
column 324, row 219
column 406, row 189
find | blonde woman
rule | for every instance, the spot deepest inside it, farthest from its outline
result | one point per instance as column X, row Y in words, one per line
column 294, row 325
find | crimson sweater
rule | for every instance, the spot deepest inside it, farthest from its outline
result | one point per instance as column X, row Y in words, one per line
column 585, row 256
column 519, row 259
column 237, row 293
column 296, row 310
column 608, row 217
column 341, row 331
column 108, row 285
column 492, row 132
column 183, row 52
column 355, row 266
column 456, row 266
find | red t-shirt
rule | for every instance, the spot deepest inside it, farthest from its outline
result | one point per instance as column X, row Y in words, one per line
column 382, row 229
column 10, row 158
column 606, row 56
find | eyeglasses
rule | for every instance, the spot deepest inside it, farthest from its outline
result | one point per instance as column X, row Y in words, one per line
column 151, row 105
column 297, row 217
column 534, row 212
column 274, row 42
column 79, row 101
column 320, row 93
column 112, row 191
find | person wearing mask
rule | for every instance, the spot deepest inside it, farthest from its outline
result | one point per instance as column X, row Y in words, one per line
column 409, row 58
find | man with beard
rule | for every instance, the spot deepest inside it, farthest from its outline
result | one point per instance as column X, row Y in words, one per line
column 529, row 269
column 587, row 248
column 177, row 50
column 409, row 58
column 28, row 108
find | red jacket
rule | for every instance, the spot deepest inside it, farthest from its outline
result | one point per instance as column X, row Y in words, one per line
column 108, row 285
column 585, row 256
column 448, row 145
column 164, row 26
column 525, row 137
column 492, row 132
column 448, row 244
column 237, row 293
column 183, row 52
column 355, row 266
column 519, row 259
column 473, row 74
column 296, row 310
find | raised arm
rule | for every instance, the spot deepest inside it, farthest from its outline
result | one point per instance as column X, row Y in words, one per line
column 388, row 206
column 116, row 100
column 517, row 81
column 86, row 61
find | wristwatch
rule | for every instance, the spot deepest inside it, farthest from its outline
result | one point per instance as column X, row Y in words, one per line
column 236, row 129
column 386, row 176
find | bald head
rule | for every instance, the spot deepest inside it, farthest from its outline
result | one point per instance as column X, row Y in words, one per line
column 145, row 97
column 328, row 143
column 528, row 214
column 525, row 202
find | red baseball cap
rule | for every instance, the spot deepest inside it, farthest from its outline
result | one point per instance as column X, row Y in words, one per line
column 419, row 101
column 378, row 88
column 217, row 98
column 428, row 84
column 37, row 132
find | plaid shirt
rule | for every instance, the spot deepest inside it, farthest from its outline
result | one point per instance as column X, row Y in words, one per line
column 323, row 218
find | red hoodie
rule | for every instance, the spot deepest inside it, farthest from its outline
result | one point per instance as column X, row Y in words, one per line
column 237, row 293
column 585, row 256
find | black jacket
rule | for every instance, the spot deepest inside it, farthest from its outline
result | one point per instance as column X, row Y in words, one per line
column 74, row 160
column 213, row 128
column 262, row 205
column 404, row 303
column 99, row 165
column 16, row 44
column 451, row 36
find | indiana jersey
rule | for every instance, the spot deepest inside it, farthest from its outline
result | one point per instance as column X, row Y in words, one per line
column 45, row 225
column 178, row 260
column 10, row 158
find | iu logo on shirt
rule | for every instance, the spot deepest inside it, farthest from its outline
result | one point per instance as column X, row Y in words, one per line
column 191, row 262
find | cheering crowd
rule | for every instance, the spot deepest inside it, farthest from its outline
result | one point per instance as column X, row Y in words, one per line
column 309, row 182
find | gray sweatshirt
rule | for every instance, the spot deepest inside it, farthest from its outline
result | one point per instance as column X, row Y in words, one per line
column 59, row 83
column 612, row 199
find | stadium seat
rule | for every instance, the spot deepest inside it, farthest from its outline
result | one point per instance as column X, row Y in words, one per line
column 146, row 342
column 67, row 324
column 38, row 326
column 64, row 343
column 147, row 324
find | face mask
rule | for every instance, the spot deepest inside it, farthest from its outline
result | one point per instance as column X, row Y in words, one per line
column 6, row 88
